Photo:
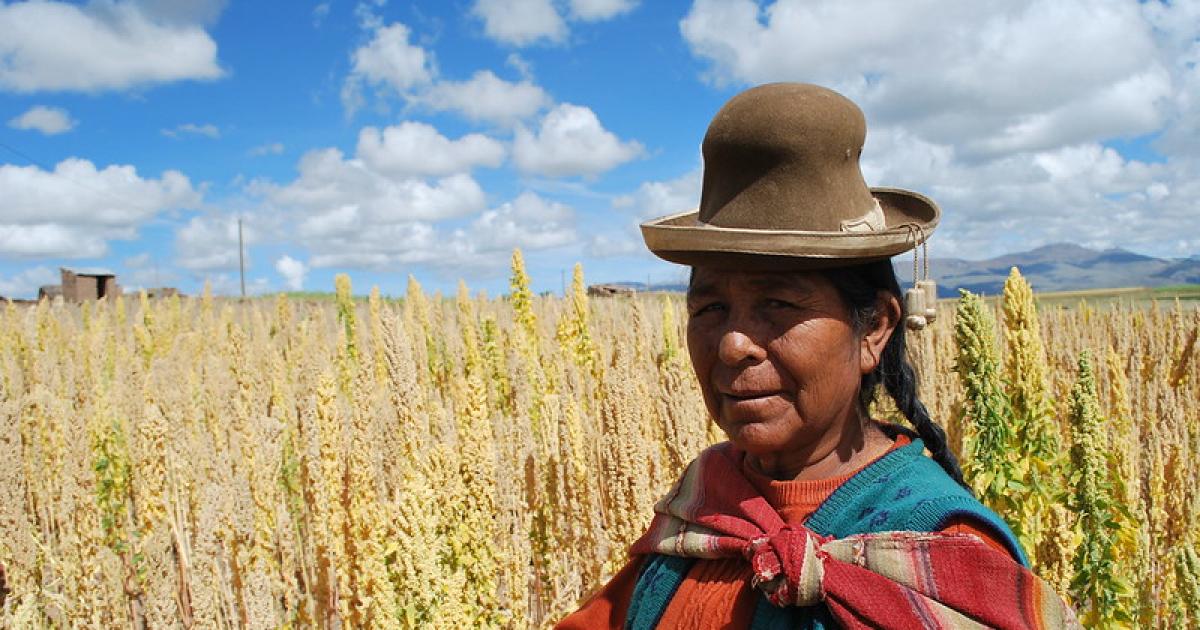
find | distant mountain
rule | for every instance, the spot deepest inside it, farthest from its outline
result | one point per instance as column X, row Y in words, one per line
column 1057, row 267
column 658, row 286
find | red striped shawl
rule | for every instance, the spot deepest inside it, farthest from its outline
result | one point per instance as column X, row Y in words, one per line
column 898, row 580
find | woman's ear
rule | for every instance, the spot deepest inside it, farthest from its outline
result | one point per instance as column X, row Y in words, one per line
column 878, row 331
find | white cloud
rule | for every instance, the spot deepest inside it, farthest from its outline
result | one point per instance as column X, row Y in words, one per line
column 230, row 284
column 488, row 98
column 1001, row 111
column 293, row 272
column 47, row 240
column 142, row 272
column 609, row 245
column 660, row 198
column 529, row 222
column 1158, row 191
column 570, row 141
column 404, row 198
column 388, row 60
column 1085, row 193
column 100, row 46
column 25, row 283
column 974, row 73
column 48, row 120
column 362, row 212
column 381, row 247
column 1177, row 31
column 526, row 22
column 209, row 242
column 367, row 12
column 596, row 10
column 331, row 188
column 74, row 210
column 652, row 199
column 414, row 148
column 520, row 22
column 319, row 13
column 520, row 64
column 270, row 148
column 394, row 66
column 207, row 130
column 137, row 261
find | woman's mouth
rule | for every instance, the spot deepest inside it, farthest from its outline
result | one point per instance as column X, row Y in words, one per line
column 748, row 399
column 751, row 408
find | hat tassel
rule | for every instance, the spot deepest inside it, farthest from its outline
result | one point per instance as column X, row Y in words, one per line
column 914, row 309
column 920, row 302
column 929, row 289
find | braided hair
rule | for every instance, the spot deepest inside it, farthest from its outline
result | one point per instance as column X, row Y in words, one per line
column 859, row 288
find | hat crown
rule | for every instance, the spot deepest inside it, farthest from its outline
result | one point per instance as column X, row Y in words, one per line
column 784, row 156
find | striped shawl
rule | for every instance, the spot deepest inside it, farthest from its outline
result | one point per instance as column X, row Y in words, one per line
column 898, row 579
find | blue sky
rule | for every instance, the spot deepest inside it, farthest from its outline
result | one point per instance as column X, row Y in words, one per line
column 392, row 138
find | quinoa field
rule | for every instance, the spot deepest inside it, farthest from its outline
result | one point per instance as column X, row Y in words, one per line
column 470, row 461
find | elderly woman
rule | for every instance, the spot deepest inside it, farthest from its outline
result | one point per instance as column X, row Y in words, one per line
column 812, row 514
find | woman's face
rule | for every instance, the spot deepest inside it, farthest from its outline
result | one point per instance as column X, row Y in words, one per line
column 778, row 359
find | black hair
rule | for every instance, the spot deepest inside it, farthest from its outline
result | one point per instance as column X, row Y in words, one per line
column 859, row 287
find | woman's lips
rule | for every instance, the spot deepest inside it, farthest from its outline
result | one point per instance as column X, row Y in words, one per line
column 744, row 410
column 749, row 400
column 747, row 395
column 736, row 391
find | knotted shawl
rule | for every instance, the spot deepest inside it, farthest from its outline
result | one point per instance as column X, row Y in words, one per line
column 897, row 580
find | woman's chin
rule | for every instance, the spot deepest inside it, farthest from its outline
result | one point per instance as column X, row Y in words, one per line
column 759, row 437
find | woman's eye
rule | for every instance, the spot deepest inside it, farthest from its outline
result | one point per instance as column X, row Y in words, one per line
column 780, row 304
column 708, row 308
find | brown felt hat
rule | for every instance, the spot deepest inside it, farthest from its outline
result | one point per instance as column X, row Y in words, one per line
column 783, row 189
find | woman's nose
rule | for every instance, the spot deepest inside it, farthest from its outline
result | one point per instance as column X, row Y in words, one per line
column 736, row 346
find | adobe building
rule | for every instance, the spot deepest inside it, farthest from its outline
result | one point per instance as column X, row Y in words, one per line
column 78, row 287
column 608, row 290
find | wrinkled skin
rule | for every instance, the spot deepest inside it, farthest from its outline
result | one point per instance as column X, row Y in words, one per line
column 779, row 363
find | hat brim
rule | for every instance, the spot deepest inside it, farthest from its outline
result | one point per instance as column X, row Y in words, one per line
column 684, row 239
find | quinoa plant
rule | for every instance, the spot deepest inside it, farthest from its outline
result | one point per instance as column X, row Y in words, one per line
column 1035, row 427
column 988, row 437
column 1105, row 597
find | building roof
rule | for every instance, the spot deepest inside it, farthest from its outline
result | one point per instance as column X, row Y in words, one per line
column 92, row 272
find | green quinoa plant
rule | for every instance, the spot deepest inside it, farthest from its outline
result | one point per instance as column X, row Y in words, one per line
column 1106, row 598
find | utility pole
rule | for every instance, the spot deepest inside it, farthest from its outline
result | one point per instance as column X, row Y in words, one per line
column 241, row 259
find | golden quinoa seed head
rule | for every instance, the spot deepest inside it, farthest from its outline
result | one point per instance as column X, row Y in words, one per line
column 1035, row 427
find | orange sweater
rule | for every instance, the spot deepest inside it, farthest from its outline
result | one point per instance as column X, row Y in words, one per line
column 716, row 593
